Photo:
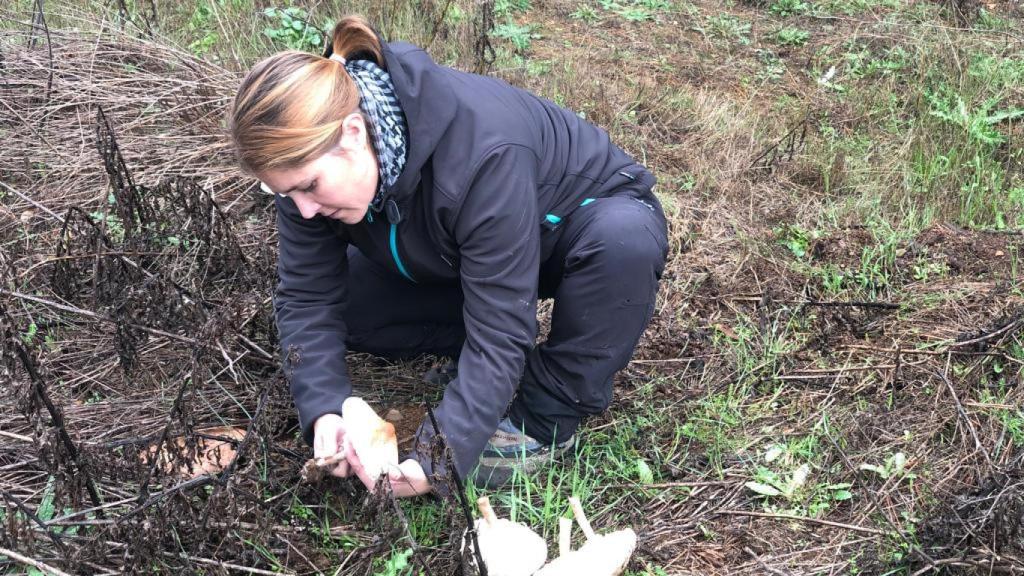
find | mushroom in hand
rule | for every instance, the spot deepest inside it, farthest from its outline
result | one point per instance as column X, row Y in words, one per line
column 372, row 438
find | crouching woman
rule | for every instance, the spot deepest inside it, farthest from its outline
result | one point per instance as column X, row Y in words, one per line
column 421, row 209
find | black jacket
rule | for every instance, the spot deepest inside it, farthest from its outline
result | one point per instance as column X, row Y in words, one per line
column 491, row 171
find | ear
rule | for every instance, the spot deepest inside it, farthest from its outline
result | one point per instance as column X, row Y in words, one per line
column 354, row 133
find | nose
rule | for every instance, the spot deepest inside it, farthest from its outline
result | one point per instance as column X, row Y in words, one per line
column 307, row 207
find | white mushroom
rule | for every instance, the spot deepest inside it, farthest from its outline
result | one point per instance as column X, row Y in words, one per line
column 372, row 438
column 602, row 555
column 508, row 548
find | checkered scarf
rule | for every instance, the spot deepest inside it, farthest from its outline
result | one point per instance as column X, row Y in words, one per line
column 387, row 122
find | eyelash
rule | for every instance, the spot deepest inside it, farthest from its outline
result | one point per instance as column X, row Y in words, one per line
column 311, row 187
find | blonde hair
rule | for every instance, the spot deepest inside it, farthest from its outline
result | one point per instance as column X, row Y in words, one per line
column 290, row 107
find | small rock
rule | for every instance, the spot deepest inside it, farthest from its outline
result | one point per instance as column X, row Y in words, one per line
column 393, row 416
column 999, row 253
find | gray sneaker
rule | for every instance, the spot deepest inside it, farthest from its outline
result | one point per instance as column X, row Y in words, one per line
column 511, row 449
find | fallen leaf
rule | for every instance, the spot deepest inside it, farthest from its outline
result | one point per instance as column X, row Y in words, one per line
column 212, row 456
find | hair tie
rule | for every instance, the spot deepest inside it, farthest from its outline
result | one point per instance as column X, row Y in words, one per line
column 339, row 58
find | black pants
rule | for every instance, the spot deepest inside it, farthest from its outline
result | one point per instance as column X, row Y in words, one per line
column 603, row 270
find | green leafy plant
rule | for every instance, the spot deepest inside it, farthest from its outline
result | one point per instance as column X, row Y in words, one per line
column 792, row 37
column 789, row 7
column 291, row 27
column 586, row 14
column 729, row 27
column 519, row 35
column 29, row 335
column 786, row 477
column 202, row 28
column 795, row 238
column 978, row 123
column 505, row 8
column 895, row 466
column 397, row 565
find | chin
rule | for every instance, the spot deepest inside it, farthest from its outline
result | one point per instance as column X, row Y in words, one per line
column 351, row 219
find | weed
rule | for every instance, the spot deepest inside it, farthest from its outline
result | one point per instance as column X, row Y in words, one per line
column 730, row 28
column 505, row 8
column 30, row 335
column 291, row 27
column 785, row 478
column 895, row 466
column 397, row 564
column 586, row 13
column 521, row 36
column 924, row 269
column 979, row 124
column 792, row 37
column 773, row 68
column 789, row 7
column 795, row 238
column 854, row 7
column 635, row 10
column 202, row 28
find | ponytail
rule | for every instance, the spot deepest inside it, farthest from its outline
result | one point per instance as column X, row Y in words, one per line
column 352, row 38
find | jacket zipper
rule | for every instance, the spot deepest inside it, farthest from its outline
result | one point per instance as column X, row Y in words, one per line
column 393, row 242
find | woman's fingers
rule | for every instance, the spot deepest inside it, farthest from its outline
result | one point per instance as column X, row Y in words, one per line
column 328, row 439
column 409, row 479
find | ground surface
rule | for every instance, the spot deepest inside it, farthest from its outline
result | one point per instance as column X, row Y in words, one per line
column 831, row 383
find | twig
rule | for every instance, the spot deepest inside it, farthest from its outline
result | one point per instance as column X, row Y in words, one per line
column 58, row 422
column 851, row 527
column 761, row 563
column 32, row 562
column 1009, row 326
column 32, row 516
column 967, row 421
column 16, row 436
column 883, row 305
column 417, row 552
column 156, row 332
column 144, row 485
column 33, row 202
column 461, row 496
column 227, row 565
column 250, row 433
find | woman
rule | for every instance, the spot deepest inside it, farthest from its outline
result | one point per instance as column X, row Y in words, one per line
column 421, row 209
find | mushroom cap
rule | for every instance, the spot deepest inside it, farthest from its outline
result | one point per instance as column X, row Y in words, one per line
column 509, row 548
column 372, row 437
column 602, row 555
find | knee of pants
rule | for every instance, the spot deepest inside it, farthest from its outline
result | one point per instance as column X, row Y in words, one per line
column 632, row 235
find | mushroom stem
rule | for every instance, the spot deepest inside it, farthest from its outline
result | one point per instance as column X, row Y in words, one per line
column 330, row 461
column 564, row 536
column 581, row 518
column 483, row 503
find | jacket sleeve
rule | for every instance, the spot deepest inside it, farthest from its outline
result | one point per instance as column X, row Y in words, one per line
column 497, row 230
column 311, row 295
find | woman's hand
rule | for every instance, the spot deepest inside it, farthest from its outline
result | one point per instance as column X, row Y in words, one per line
column 408, row 479
column 329, row 439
